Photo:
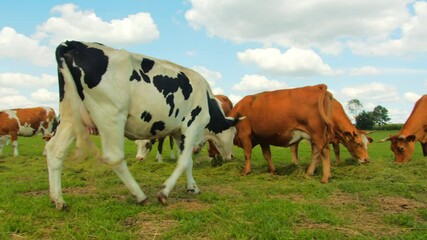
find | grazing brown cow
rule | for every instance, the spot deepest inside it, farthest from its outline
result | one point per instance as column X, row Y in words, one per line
column 346, row 133
column 283, row 118
column 414, row 129
column 26, row 122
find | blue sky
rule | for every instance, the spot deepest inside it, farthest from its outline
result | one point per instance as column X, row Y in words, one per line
column 375, row 51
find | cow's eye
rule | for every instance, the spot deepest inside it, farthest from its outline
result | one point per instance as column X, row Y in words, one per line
column 400, row 149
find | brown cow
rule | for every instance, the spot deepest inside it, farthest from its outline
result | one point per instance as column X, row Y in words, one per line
column 346, row 133
column 283, row 118
column 26, row 122
column 414, row 129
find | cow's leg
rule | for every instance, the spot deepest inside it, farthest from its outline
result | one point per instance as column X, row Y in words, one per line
column 186, row 144
column 172, row 154
column 112, row 141
column 326, row 162
column 315, row 156
column 159, row 155
column 267, row 156
column 56, row 150
column 246, row 144
column 424, row 147
column 336, row 147
column 14, row 143
column 294, row 153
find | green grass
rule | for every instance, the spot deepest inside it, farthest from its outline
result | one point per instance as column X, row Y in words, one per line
column 380, row 200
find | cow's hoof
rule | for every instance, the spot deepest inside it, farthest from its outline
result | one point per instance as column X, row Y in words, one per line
column 324, row 180
column 144, row 202
column 193, row 191
column 162, row 198
column 62, row 206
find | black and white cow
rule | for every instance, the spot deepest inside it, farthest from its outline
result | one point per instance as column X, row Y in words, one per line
column 140, row 97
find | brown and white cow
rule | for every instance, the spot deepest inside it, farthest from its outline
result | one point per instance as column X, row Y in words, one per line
column 26, row 122
column 346, row 133
column 131, row 95
column 414, row 129
column 283, row 118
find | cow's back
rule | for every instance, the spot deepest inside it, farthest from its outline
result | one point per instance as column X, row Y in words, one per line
column 273, row 116
column 417, row 119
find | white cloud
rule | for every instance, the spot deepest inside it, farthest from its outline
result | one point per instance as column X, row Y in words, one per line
column 43, row 95
column 22, row 48
column 22, row 80
column 326, row 25
column 412, row 97
column 372, row 92
column 295, row 61
column 85, row 25
column 211, row 76
column 258, row 83
column 15, row 101
column 413, row 33
column 234, row 98
column 365, row 70
column 5, row 91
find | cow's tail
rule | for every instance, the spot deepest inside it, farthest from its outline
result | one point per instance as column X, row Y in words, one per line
column 325, row 109
column 71, row 108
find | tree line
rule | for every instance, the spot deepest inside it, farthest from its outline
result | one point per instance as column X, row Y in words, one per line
column 369, row 120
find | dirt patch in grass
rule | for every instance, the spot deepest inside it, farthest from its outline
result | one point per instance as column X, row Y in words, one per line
column 399, row 204
column 363, row 217
column 224, row 190
column 71, row 191
column 189, row 205
column 150, row 226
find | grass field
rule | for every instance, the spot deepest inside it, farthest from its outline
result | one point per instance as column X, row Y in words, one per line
column 380, row 200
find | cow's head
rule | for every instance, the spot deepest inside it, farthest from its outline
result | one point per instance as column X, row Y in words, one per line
column 357, row 145
column 224, row 142
column 143, row 148
column 402, row 147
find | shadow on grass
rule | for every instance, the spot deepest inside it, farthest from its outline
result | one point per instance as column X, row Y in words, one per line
column 290, row 169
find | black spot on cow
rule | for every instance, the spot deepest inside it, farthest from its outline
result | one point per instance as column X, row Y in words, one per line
column 169, row 85
column 135, row 76
column 182, row 143
column 176, row 112
column 194, row 113
column 217, row 122
column 169, row 101
column 147, row 65
column 61, row 84
column 146, row 116
column 157, row 126
column 145, row 77
column 79, row 58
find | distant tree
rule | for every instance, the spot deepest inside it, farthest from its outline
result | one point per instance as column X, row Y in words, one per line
column 380, row 115
column 355, row 107
column 365, row 120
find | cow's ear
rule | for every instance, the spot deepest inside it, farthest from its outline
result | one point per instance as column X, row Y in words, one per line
column 410, row 138
column 370, row 140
